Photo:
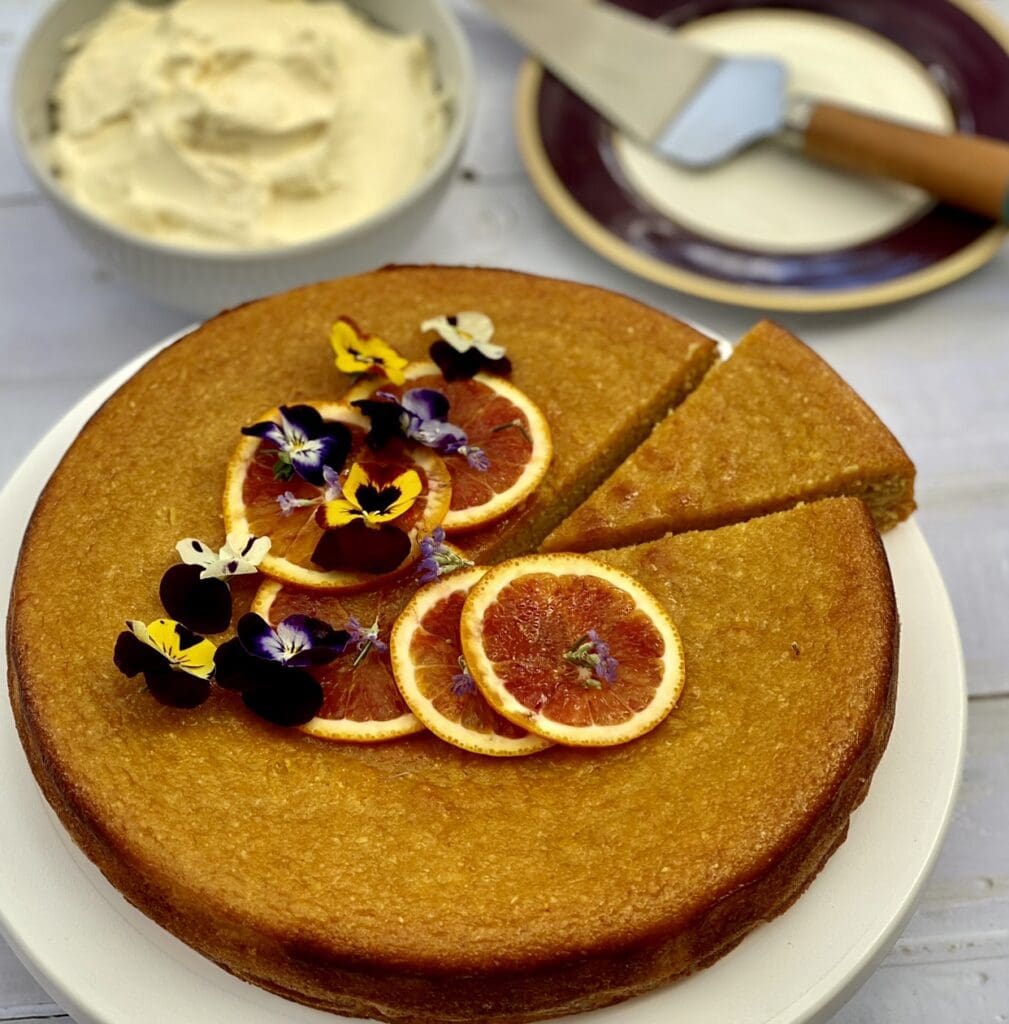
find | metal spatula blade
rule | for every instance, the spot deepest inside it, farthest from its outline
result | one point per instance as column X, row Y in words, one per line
column 695, row 106
column 698, row 108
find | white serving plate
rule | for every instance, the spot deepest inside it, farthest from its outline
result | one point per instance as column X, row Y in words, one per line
column 106, row 963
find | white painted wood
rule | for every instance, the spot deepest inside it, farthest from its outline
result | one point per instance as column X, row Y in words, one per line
column 936, row 368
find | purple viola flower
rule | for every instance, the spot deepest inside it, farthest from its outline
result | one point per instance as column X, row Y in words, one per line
column 437, row 559
column 305, row 443
column 593, row 653
column 295, row 642
column 421, row 415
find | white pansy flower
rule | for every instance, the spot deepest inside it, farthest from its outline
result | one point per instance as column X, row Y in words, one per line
column 466, row 330
column 240, row 555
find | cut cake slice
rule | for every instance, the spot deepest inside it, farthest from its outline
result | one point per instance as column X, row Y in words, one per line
column 771, row 427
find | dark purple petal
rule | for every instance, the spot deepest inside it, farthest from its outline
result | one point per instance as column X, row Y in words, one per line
column 259, row 638
column 425, row 404
column 463, row 365
column 234, row 667
column 499, row 367
column 289, row 697
column 386, row 421
column 361, row 548
column 202, row 605
column 132, row 656
column 176, row 689
column 305, row 419
column 268, row 431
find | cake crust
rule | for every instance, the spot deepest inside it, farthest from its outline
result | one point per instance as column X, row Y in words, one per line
column 384, row 881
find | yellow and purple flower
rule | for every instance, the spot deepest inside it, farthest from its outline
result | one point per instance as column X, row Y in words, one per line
column 177, row 664
column 360, row 534
column 357, row 352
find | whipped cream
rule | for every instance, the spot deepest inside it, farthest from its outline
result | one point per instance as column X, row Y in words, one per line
column 242, row 124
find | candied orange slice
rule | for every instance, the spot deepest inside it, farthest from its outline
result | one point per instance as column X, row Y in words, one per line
column 361, row 702
column 251, row 494
column 426, row 653
column 499, row 419
column 571, row 649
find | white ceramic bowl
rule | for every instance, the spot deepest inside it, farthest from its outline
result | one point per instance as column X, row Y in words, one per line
column 205, row 282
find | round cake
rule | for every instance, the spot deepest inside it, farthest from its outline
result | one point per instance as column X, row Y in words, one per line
column 411, row 880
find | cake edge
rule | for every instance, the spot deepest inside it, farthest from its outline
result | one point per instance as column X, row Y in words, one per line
column 503, row 996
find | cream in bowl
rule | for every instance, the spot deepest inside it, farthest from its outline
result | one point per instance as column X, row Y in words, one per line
column 214, row 124
column 213, row 165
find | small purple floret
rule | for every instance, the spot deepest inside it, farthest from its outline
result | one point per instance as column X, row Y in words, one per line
column 365, row 636
column 606, row 666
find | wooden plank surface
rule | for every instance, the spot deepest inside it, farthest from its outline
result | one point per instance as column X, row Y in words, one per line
column 936, row 368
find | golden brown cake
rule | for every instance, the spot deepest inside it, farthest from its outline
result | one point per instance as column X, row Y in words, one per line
column 410, row 880
column 772, row 426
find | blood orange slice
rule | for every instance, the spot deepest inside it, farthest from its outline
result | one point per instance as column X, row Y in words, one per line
column 252, row 491
column 362, row 703
column 571, row 649
column 427, row 664
column 502, row 422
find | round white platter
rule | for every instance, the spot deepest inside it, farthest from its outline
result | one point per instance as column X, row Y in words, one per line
column 106, row 963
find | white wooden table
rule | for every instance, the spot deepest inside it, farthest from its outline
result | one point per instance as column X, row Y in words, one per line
column 936, row 369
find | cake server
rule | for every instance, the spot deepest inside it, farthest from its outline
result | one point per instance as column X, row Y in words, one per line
column 698, row 108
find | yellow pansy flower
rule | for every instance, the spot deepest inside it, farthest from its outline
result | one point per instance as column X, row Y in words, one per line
column 371, row 501
column 362, row 353
column 180, row 647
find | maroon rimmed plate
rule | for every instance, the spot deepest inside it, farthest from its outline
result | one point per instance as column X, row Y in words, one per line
column 770, row 228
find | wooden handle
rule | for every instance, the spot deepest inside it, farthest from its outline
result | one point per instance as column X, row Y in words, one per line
column 967, row 170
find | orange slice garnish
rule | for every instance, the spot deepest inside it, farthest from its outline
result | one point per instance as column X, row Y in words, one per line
column 525, row 632
column 500, row 420
column 362, row 703
column 425, row 651
column 251, row 492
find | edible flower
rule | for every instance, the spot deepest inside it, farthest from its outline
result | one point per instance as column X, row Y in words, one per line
column 465, row 347
column 332, row 488
column 357, row 352
column 365, row 637
column 371, row 499
column 437, row 559
column 305, row 443
column 176, row 662
column 266, row 664
column 462, row 681
column 421, row 415
column 359, row 533
column 295, row 642
column 591, row 653
column 240, row 556
column 196, row 593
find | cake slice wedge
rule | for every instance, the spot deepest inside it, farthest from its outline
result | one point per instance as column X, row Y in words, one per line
column 770, row 428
